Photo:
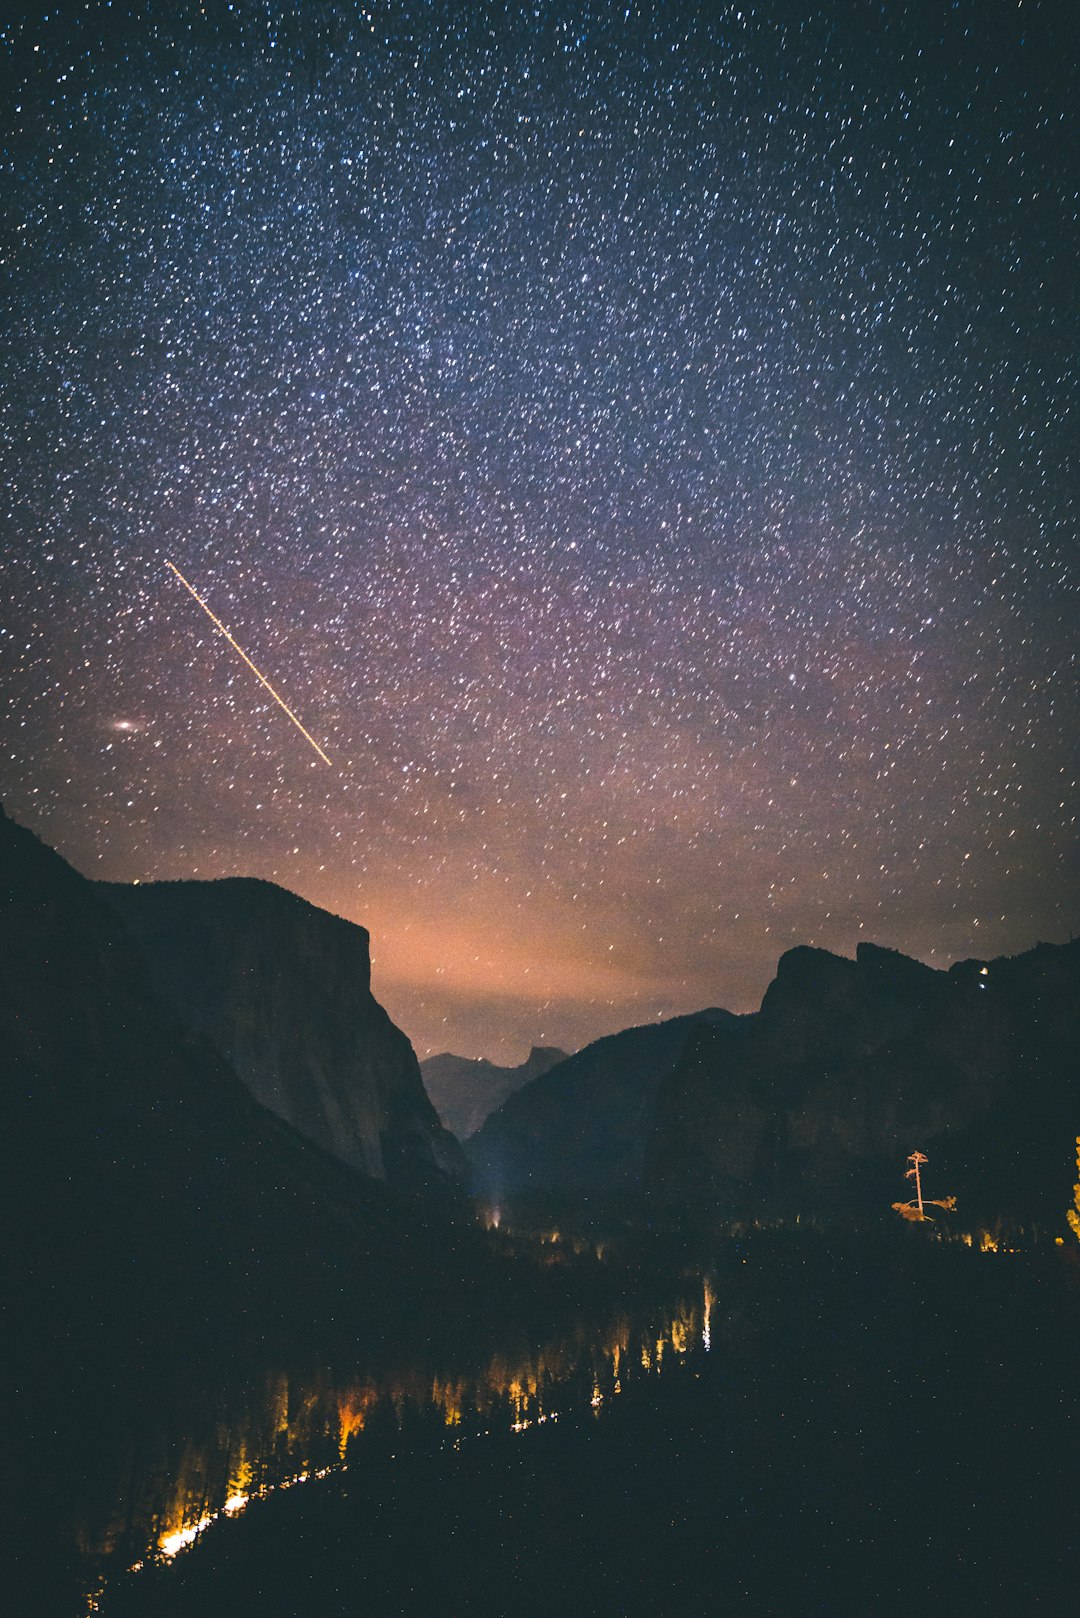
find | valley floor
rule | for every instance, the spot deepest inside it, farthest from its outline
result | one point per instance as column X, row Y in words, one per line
column 872, row 1428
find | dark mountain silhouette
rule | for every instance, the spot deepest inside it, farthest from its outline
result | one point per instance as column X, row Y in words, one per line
column 143, row 1186
column 465, row 1089
column 582, row 1126
column 282, row 991
column 814, row 1102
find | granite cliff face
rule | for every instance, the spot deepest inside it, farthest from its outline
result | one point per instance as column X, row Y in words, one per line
column 144, row 1188
column 582, row 1126
column 465, row 1090
column 282, row 991
column 814, row 1102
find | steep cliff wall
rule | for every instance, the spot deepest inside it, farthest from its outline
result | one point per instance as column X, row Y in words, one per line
column 466, row 1090
column 144, row 1189
column 282, row 991
column 816, row 1100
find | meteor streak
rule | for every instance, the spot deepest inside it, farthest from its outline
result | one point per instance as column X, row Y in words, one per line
column 280, row 700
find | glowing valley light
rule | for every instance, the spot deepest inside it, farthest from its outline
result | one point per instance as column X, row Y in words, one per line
column 172, row 1544
column 504, row 1394
column 218, row 625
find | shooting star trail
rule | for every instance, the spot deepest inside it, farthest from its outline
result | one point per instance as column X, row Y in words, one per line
column 280, row 700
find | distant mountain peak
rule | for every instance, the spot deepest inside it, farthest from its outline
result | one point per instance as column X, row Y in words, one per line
column 467, row 1089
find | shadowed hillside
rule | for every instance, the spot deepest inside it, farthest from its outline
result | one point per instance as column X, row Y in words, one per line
column 582, row 1127
column 815, row 1101
column 146, row 1191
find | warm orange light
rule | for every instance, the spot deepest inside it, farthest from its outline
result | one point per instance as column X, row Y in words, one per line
column 293, row 1423
column 353, row 1407
column 1073, row 1214
column 172, row 1544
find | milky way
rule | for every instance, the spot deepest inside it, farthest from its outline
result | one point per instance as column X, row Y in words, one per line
column 640, row 441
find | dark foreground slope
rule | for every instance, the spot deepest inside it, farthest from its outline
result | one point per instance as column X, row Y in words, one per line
column 282, row 990
column 879, row 1430
column 582, row 1127
column 815, row 1101
column 466, row 1090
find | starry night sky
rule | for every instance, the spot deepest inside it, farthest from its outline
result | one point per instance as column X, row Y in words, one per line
column 639, row 441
